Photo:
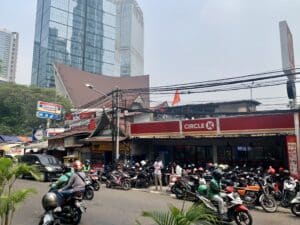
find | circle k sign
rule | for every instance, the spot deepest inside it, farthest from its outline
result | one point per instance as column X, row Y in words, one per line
column 199, row 125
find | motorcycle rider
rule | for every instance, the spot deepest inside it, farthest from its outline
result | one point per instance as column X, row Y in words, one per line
column 63, row 179
column 214, row 192
column 87, row 166
column 76, row 182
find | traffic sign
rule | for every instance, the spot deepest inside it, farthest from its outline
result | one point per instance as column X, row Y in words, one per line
column 48, row 115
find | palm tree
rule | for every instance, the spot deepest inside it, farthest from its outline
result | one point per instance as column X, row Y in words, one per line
column 195, row 215
column 9, row 198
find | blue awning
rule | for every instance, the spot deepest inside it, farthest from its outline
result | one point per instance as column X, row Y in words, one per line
column 9, row 139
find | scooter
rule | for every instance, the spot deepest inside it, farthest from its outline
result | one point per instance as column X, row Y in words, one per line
column 295, row 205
column 94, row 180
column 236, row 211
column 118, row 179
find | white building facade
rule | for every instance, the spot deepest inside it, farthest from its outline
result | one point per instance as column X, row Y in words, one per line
column 129, row 38
column 9, row 42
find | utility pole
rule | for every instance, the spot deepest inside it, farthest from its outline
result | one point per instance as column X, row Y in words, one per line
column 115, row 123
column 118, row 126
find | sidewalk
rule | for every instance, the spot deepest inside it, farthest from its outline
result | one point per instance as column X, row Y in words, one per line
column 151, row 189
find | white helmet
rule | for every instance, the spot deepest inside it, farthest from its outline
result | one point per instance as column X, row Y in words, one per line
column 143, row 162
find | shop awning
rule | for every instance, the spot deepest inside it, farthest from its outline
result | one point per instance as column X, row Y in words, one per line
column 38, row 146
column 7, row 147
column 102, row 139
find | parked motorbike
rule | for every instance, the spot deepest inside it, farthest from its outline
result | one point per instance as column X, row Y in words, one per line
column 236, row 211
column 290, row 189
column 141, row 179
column 258, row 194
column 185, row 188
column 118, row 179
column 58, row 212
column 295, row 205
column 94, row 180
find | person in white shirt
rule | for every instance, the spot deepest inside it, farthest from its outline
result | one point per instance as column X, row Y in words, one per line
column 158, row 165
column 178, row 170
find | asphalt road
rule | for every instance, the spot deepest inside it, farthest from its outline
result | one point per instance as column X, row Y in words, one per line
column 117, row 207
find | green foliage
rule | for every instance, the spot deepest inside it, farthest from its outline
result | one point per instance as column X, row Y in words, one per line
column 195, row 215
column 18, row 105
column 10, row 198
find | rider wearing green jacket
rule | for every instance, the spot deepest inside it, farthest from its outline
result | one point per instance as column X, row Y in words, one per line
column 214, row 191
column 63, row 179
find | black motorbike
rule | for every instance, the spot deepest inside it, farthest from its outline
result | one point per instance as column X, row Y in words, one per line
column 141, row 179
column 60, row 211
column 185, row 188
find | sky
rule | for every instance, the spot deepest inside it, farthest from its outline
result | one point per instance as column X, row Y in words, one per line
column 191, row 40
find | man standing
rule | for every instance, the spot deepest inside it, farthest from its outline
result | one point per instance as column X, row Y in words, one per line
column 158, row 165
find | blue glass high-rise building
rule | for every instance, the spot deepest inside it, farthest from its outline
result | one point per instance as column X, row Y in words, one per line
column 79, row 33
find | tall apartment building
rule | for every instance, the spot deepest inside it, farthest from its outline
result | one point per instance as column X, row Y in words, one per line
column 129, row 38
column 9, row 42
column 78, row 33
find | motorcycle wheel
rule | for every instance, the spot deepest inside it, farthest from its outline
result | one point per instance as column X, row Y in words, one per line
column 89, row 194
column 126, row 185
column 285, row 203
column 180, row 194
column 96, row 186
column 268, row 204
column 296, row 209
column 76, row 216
column 56, row 222
column 243, row 218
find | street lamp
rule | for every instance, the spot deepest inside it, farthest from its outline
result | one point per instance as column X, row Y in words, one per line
column 90, row 86
column 115, row 137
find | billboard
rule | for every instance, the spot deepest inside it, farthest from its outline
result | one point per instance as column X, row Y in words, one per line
column 287, row 48
column 49, row 107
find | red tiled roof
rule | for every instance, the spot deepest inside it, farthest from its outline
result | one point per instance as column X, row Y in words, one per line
column 74, row 81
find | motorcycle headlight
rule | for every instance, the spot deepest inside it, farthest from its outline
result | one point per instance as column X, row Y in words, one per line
column 49, row 168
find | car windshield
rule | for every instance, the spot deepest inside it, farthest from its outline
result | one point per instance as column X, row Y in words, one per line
column 49, row 160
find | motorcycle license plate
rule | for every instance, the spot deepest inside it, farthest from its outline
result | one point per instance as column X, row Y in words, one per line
column 48, row 217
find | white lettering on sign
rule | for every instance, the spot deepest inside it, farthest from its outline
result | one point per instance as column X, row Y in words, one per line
column 207, row 125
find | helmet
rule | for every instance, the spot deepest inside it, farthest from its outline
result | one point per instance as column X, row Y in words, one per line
column 143, row 162
column 286, row 172
column 202, row 189
column 49, row 201
column 200, row 169
column 217, row 174
column 271, row 170
column 77, row 165
column 87, row 162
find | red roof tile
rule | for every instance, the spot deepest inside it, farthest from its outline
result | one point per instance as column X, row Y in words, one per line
column 74, row 81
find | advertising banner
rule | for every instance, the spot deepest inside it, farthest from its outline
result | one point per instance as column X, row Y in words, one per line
column 49, row 107
column 291, row 143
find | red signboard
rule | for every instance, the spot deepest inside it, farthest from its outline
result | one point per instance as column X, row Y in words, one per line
column 264, row 122
column 292, row 151
column 155, row 127
column 205, row 125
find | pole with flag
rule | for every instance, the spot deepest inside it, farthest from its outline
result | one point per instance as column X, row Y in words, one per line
column 176, row 98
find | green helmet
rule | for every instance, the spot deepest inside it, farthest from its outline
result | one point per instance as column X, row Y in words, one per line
column 202, row 189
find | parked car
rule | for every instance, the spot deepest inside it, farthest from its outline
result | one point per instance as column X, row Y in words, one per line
column 48, row 165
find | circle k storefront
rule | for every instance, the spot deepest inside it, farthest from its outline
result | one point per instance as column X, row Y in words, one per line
column 254, row 140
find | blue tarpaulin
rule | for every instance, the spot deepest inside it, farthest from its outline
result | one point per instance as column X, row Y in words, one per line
column 9, row 139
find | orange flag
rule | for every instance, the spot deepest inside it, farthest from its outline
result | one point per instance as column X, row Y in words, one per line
column 176, row 98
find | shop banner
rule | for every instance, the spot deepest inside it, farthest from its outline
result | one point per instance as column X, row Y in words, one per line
column 291, row 143
column 205, row 125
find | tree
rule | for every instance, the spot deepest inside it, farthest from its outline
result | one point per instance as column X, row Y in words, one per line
column 18, row 107
column 9, row 197
column 194, row 215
